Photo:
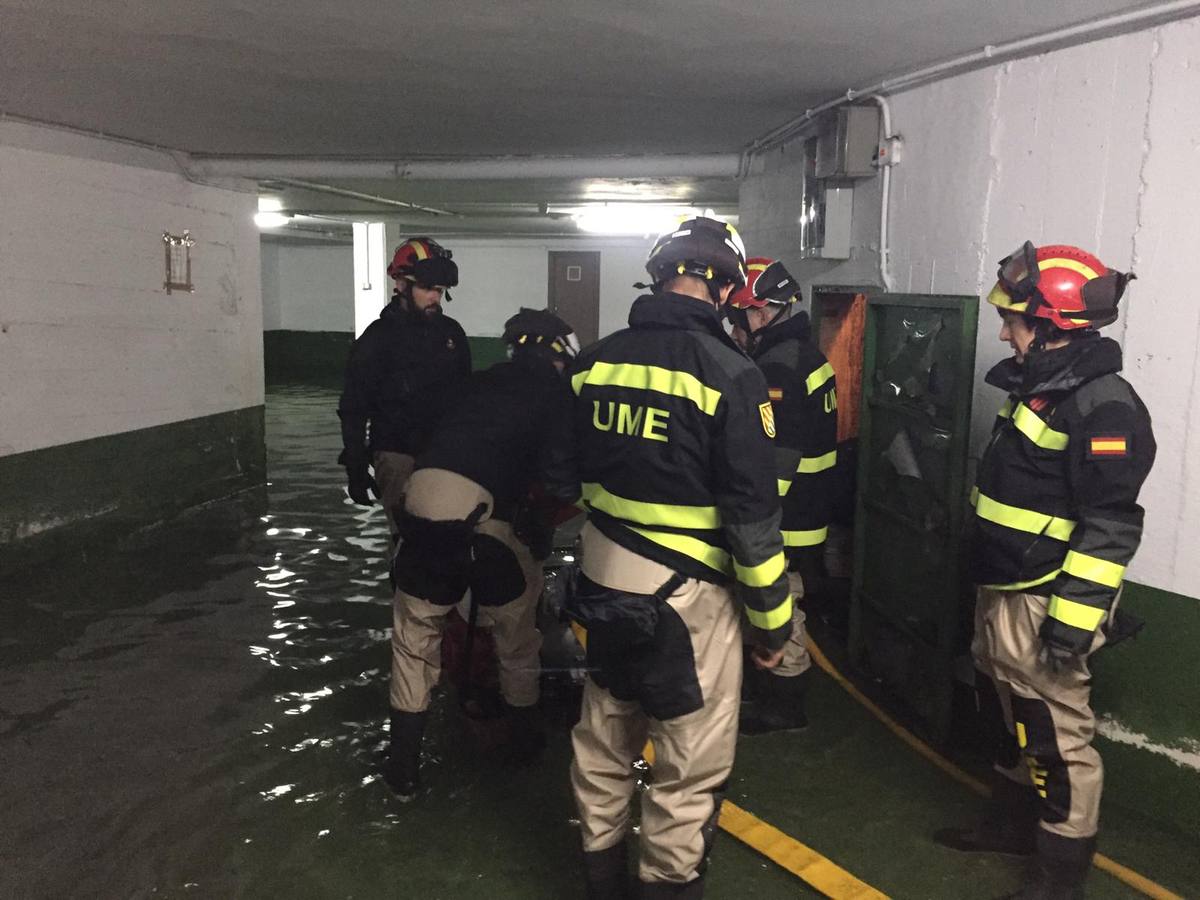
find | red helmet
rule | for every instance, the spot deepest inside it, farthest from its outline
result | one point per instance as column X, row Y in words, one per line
column 767, row 281
column 1064, row 284
column 424, row 261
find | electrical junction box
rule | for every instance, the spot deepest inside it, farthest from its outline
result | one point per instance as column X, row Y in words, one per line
column 846, row 147
column 825, row 213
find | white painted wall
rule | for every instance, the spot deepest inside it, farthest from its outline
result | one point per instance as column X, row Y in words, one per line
column 90, row 342
column 1095, row 145
column 307, row 287
column 499, row 275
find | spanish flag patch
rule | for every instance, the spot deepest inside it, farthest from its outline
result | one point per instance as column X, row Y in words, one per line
column 1106, row 446
column 776, row 394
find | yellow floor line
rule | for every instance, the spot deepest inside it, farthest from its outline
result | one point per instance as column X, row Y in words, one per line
column 810, row 866
column 1134, row 879
column 813, row 868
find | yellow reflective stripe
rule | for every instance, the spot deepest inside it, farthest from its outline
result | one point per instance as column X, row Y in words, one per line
column 762, row 575
column 713, row 557
column 650, row 378
column 772, row 619
column 805, row 538
column 810, row 465
column 1022, row 738
column 999, row 297
column 1024, row 585
column 818, row 378
column 1079, row 615
column 1006, row 409
column 1063, row 262
column 784, row 486
column 1031, row 425
column 1027, row 520
column 1092, row 568
column 644, row 513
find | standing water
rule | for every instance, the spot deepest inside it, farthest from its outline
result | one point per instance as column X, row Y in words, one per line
column 198, row 712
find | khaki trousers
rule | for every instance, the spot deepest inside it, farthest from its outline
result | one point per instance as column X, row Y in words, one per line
column 1045, row 711
column 417, row 623
column 693, row 753
column 796, row 660
column 392, row 471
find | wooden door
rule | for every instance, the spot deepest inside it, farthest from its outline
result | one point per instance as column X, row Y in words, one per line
column 574, row 291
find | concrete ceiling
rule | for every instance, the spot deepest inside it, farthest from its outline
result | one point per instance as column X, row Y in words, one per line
column 369, row 78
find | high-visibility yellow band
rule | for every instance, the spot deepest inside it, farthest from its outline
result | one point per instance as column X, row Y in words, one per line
column 1031, row 425
column 772, row 619
column 1015, row 517
column 713, row 557
column 1094, row 569
column 1078, row 614
column 810, row 465
column 650, row 378
column 1064, row 262
column 764, row 573
column 1006, row 410
column 1022, row 738
column 814, row 381
column 1024, row 585
column 805, row 538
column 784, row 486
column 643, row 513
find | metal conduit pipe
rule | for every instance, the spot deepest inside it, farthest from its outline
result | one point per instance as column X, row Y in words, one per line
column 712, row 165
column 1118, row 23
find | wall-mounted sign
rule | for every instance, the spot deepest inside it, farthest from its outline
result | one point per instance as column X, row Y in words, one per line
column 178, row 249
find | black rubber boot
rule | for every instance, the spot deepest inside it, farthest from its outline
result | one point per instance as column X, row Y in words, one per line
column 1009, row 824
column 779, row 708
column 672, row 890
column 402, row 769
column 607, row 873
column 1059, row 869
column 526, row 734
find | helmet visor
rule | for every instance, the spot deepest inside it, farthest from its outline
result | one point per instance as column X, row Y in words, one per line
column 436, row 271
column 1018, row 273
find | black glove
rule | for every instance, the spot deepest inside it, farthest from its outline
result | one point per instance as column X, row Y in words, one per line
column 1062, row 644
column 361, row 485
column 532, row 529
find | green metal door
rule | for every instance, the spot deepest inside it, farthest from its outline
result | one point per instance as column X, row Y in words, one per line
column 918, row 369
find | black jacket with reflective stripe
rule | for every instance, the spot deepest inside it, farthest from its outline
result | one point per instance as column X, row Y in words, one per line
column 803, row 392
column 1056, row 509
column 496, row 430
column 673, row 457
column 400, row 374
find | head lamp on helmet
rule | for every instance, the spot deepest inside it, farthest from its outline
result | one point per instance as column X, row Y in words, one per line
column 540, row 333
column 1068, row 286
column 424, row 262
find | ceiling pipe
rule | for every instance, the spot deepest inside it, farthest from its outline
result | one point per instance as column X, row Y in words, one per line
column 318, row 188
column 1118, row 23
column 712, row 165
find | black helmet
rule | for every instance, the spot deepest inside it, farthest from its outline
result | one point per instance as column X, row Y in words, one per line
column 540, row 332
column 702, row 247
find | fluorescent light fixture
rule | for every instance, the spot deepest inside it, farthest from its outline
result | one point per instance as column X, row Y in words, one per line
column 630, row 218
column 270, row 213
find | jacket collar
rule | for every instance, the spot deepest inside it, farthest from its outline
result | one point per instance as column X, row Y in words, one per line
column 671, row 310
column 797, row 327
column 1085, row 358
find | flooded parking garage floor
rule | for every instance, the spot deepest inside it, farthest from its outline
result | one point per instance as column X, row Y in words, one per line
column 198, row 712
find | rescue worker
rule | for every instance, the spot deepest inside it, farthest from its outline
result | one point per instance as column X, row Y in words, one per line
column 672, row 456
column 803, row 392
column 1056, row 523
column 399, row 375
column 457, row 534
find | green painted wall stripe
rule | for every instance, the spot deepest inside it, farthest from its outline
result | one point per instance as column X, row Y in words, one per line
column 124, row 480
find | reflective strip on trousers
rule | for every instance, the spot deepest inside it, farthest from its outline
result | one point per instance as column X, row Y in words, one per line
column 809, row 538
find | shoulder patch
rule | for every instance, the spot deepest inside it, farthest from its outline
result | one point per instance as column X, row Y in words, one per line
column 1109, row 446
column 768, row 418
